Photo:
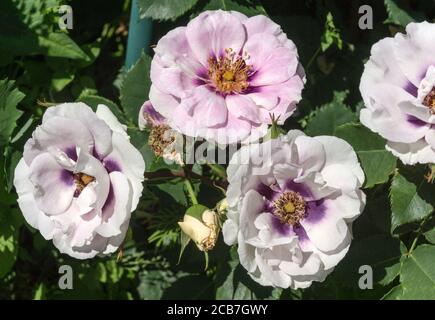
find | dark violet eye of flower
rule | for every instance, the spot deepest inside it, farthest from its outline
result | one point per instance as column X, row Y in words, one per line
column 289, row 208
column 429, row 101
column 230, row 73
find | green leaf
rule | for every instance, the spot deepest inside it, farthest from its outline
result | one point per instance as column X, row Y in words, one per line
column 61, row 78
column 233, row 283
column 135, row 87
column 418, row 274
column 326, row 119
column 331, row 34
column 406, row 204
column 394, row 294
column 40, row 292
column 199, row 287
column 9, row 114
column 58, row 44
column 247, row 7
column 164, row 9
column 10, row 222
column 396, row 15
column 384, row 260
column 430, row 236
column 378, row 164
column 153, row 283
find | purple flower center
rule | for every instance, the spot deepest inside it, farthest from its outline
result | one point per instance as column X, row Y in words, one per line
column 289, row 208
column 429, row 101
column 229, row 73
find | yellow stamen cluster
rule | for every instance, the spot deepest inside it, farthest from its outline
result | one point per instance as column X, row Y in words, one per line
column 230, row 73
column 290, row 208
column 429, row 101
column 82, row 180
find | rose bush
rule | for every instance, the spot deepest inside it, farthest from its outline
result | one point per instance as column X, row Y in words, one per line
column 312, row 205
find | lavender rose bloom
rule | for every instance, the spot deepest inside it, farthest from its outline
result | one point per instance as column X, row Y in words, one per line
column 79, row 180
column 224, row 74
column 398, row 88
column 291, row 202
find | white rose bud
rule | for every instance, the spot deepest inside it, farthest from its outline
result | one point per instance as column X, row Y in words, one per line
column 203, row 232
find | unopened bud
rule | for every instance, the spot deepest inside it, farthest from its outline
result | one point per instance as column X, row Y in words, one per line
column 203, row 232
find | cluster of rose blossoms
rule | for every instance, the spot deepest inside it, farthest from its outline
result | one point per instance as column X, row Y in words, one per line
column 225, row 77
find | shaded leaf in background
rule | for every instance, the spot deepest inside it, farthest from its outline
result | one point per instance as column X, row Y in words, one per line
column 164, row 9
column 378, row 164
column 430, row 236
column 9, row 114
column 384, row 260
column 61, row 45
column 247, row 7
column 331, row 35
column 396, row 15
column 135, row 87
column 200, row 288
column 10, row 222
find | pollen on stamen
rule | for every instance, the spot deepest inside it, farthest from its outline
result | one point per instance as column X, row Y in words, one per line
column 429, row 101
column 82, row 180
column 230, row 73
column 290, row 208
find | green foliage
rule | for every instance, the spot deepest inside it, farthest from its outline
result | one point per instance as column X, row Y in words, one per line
column 417, row 276
column 331, row 35
column 248, row 7
column 10, row 223
column 164, row 9
column 135, row 87
column 9, row 114
column 406, row 203
column 396, row 15
column 326, row 119
column 378, row 164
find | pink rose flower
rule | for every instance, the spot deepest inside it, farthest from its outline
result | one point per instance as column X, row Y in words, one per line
column 224, row 74
column 79, row 180
column 398, row 88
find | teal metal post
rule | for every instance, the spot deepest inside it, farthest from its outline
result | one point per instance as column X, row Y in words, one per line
column 139, row 36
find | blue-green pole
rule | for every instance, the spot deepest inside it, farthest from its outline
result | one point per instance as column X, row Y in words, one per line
column 139, row 35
